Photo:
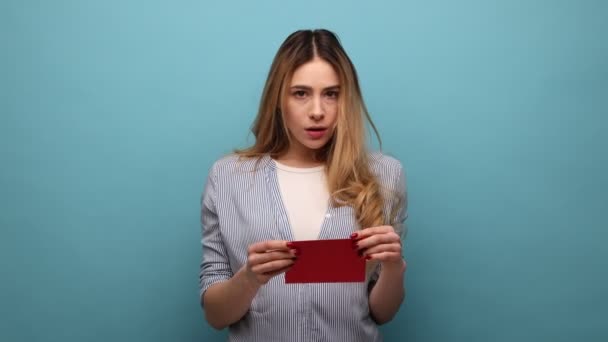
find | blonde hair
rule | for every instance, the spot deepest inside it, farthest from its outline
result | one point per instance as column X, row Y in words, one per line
column 350, row 180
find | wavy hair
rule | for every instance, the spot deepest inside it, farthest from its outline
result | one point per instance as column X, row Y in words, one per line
column 350, row 180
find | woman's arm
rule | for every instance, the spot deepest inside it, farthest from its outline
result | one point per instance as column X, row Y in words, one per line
column 388, row 292
column 383, row 244
column 226, row 297
column 228, row 301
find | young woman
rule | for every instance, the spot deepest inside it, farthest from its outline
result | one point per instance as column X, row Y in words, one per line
column 309, row 175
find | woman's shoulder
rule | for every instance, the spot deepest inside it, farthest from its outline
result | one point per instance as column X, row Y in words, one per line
column 389, row 173
column 383, row 163
column 233, row 164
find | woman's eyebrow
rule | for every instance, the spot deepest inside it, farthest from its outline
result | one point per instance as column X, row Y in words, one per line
column 303, row 87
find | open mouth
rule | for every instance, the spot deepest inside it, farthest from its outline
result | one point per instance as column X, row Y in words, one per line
column 316, row 132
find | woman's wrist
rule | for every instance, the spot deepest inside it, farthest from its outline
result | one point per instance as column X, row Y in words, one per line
column 394, row 267
column 247, row 280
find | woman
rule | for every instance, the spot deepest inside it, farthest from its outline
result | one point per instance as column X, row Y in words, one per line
column 308, row 176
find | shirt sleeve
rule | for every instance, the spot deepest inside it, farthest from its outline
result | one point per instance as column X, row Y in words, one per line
column 398, row 197
column 215, row 266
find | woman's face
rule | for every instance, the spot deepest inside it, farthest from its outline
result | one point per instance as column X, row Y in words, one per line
column 311, row 106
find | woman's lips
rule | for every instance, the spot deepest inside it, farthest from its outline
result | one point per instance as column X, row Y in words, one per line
column 316, row 133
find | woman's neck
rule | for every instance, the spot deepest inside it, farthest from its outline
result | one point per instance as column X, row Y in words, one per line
column 303, row 160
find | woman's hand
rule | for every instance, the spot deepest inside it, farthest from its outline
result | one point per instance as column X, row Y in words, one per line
column 379, row 243
column 267, row 259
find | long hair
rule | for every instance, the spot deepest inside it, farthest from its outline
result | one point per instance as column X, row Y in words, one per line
column 350, row 180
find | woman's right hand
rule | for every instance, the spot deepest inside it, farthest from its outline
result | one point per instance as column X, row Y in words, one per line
column 267, row 259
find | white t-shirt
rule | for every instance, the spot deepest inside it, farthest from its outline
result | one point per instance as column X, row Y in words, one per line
column 305, row 197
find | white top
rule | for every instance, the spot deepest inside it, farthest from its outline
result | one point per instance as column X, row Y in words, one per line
column 305, row 197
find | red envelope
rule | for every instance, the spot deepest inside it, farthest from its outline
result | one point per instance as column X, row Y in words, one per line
column 326, row 261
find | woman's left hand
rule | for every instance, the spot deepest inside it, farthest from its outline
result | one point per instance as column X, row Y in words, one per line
column 379, row 243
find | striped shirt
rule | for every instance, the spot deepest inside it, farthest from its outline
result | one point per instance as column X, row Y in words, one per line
column 241, row 205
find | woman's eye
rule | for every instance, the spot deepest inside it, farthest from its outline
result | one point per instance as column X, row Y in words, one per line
column 332, row 94
column 299, row 93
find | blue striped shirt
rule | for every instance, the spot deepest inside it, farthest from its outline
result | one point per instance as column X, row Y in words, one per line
column 241, row 205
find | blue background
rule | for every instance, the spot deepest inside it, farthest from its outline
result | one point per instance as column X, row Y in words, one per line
column 113, row 111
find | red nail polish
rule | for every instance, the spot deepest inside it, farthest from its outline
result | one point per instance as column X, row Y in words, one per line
column 354, row 235
column 368, row 257
column 290, row 244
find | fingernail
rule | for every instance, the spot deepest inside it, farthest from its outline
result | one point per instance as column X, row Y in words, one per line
column 368, row 257
column 297, row 252
column 354, row 235
column 290, row 244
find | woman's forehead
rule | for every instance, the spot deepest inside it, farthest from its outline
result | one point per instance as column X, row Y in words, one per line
column 317, row 73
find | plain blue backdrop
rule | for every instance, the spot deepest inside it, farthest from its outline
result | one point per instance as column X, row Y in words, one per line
column 113, row 111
